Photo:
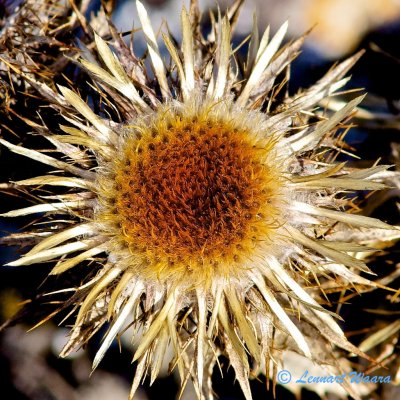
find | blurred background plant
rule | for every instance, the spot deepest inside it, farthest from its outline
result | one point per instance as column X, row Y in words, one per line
column 35, row 37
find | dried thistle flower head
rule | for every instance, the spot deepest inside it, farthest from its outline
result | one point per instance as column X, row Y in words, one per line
column 211, row 205
column 194, row 193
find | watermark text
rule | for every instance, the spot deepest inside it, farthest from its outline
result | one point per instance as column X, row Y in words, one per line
column 284, row 377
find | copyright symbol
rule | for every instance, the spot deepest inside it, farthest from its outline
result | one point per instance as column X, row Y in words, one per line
column 284, row 376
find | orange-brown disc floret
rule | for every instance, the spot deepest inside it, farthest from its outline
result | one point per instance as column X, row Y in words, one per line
column 194, row 193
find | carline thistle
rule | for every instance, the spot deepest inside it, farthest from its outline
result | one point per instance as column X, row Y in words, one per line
column 210, row 204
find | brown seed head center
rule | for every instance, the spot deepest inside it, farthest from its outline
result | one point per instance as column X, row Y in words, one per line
column 194, row 190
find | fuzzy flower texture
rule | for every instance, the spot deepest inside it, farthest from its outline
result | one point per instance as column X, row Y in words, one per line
column 214, row 206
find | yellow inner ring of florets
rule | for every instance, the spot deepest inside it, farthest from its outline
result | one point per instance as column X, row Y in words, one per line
column 195, row 193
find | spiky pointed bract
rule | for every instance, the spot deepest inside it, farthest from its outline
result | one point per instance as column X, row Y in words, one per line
column 209, row 200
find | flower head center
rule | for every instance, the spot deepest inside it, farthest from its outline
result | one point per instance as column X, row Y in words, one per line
column 195, row 191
